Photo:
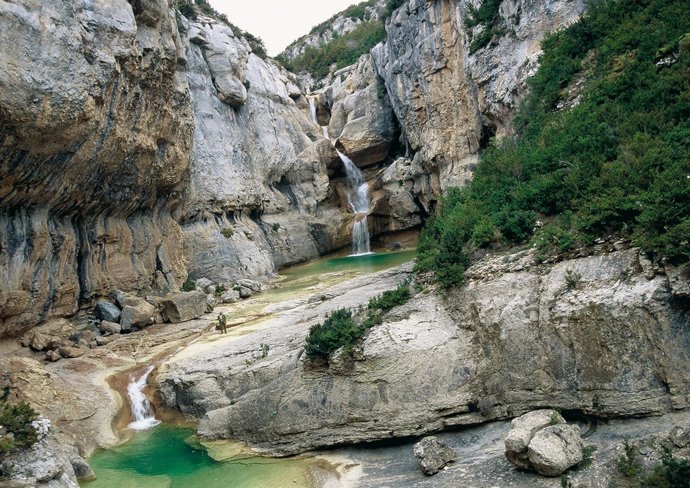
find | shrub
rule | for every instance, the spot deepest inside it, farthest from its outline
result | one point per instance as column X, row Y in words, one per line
column 276, row 226
column 628, row 463
column 187, row 9
column 16, row 420
column 227, row 232
column 338, row 330
column 391, row 298
column 188, row 285
column 671, row 473
column 572, row 279
column 392, row 6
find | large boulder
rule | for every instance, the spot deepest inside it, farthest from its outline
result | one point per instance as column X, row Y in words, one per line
column 138, row 316
column 107, row 311
column 522, row 431
column 541, row 441
column 555, row 449
column 109, row 327
column 70, row 352
column 40, row 342
column 183, row 306
column 432, row 455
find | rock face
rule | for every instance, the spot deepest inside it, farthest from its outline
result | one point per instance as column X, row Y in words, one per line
column 513, row 339
column 95, row 128
column 449, row 101
column 432, row 455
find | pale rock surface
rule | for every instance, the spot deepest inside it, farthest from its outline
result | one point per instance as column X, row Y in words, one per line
column 513, row 338
column 183, row 306
column 554, row 449
column 523, row 429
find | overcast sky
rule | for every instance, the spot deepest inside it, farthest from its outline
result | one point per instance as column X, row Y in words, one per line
column 279, row 22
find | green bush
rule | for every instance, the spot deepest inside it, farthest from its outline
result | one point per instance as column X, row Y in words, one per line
column 616, row 163
column 227, row 232
column 628, row 463
column 671, row 473
column 338, row 330
column 391, row 298
column 392, row 6
column 188, row 285
column 16, row 420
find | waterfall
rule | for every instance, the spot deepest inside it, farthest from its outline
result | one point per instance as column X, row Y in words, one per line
column 314, row 118
column 358, row 199
column 142, row 413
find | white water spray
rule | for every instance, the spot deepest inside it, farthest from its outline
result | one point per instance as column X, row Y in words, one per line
column 314, row 118
column 358, row 199
column 142, row 413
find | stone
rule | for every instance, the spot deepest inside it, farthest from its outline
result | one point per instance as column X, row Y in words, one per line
column 680, row 436
column 88, row 335
column 81, row 343
column 53, row 356
column 58, row 342
column 230, row 296
column 183, row 306
column 522, row 431
column 139, row 315
column 82, row 470
column 107, row 311
column 555, row 449
column 39, row 342
column 432, row 455
column 46, row 463
column 109, row 327
column 202, row 284
column 254, row 286
column 245, row 292
column 70, row 352
column 103, row 340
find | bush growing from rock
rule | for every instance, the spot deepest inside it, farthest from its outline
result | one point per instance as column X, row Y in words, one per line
column 338, row 330
column 16, row 420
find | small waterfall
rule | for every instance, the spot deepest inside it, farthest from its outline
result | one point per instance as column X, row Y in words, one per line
column 141, row 407
column 358, row 199
column 314, row 118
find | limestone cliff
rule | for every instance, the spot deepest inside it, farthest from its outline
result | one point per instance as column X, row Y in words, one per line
column 517, row 336
column 95, row 132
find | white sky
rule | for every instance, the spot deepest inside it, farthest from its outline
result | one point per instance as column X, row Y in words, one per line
column 279, row 22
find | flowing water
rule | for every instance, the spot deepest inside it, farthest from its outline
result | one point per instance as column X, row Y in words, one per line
column 358, row 199
column 142, row 413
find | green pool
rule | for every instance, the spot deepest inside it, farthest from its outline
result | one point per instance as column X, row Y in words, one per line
column 171, row 457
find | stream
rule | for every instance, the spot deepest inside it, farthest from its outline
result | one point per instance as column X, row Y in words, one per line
column 170, row 456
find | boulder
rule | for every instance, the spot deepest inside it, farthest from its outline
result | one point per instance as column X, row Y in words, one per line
column 138, row 315
column 103, row 340
column 680, row 436
column 107, row 311
column 109, row 327
column 40, row 342
column 254, row 286
column 432, row 455
column 230, row 296
column 555, row 449
column 183, row 306
column 70, row 352
column 203, row 283
column 245, row 292
column 522, row 431
column 82, row 470
column 58, row 342
column 53, row 356
column 88, row 335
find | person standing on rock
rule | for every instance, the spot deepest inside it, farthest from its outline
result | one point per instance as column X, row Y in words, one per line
column 222, row 323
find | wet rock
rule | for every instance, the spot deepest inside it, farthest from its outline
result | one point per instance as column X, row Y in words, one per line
column 183, row 306
column 53, row 356
column 107, row 311
column 555, row 449
column 82, row 470
column 70, row 352
column 39, row 342
column 109, row 327
column 432, row 455
column 522, row 431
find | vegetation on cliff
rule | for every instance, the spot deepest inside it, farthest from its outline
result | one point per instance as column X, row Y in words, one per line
column 16, row 429
column 601, row 147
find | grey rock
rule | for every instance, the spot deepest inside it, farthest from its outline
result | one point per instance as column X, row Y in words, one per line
column 522, row 431
column 555, row 449
column 109, row 327
column 103, row 340
column 230, row 296
column 432, row 455
column 245, row 292
column 680, row 436
column 107, row 311
column 82, row 470
column 45, row 462
column 251, row 284
column 183, row 306
column 202, row 284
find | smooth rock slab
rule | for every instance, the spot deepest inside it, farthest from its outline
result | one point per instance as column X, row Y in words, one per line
column 555, row 449
column 432, row 455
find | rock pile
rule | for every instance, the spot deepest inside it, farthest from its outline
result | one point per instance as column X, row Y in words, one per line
column 542, row 441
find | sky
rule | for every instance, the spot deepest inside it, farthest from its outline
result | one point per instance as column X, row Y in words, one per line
column 279, row 22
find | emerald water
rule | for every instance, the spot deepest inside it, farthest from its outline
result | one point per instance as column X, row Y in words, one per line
column 171, row 457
